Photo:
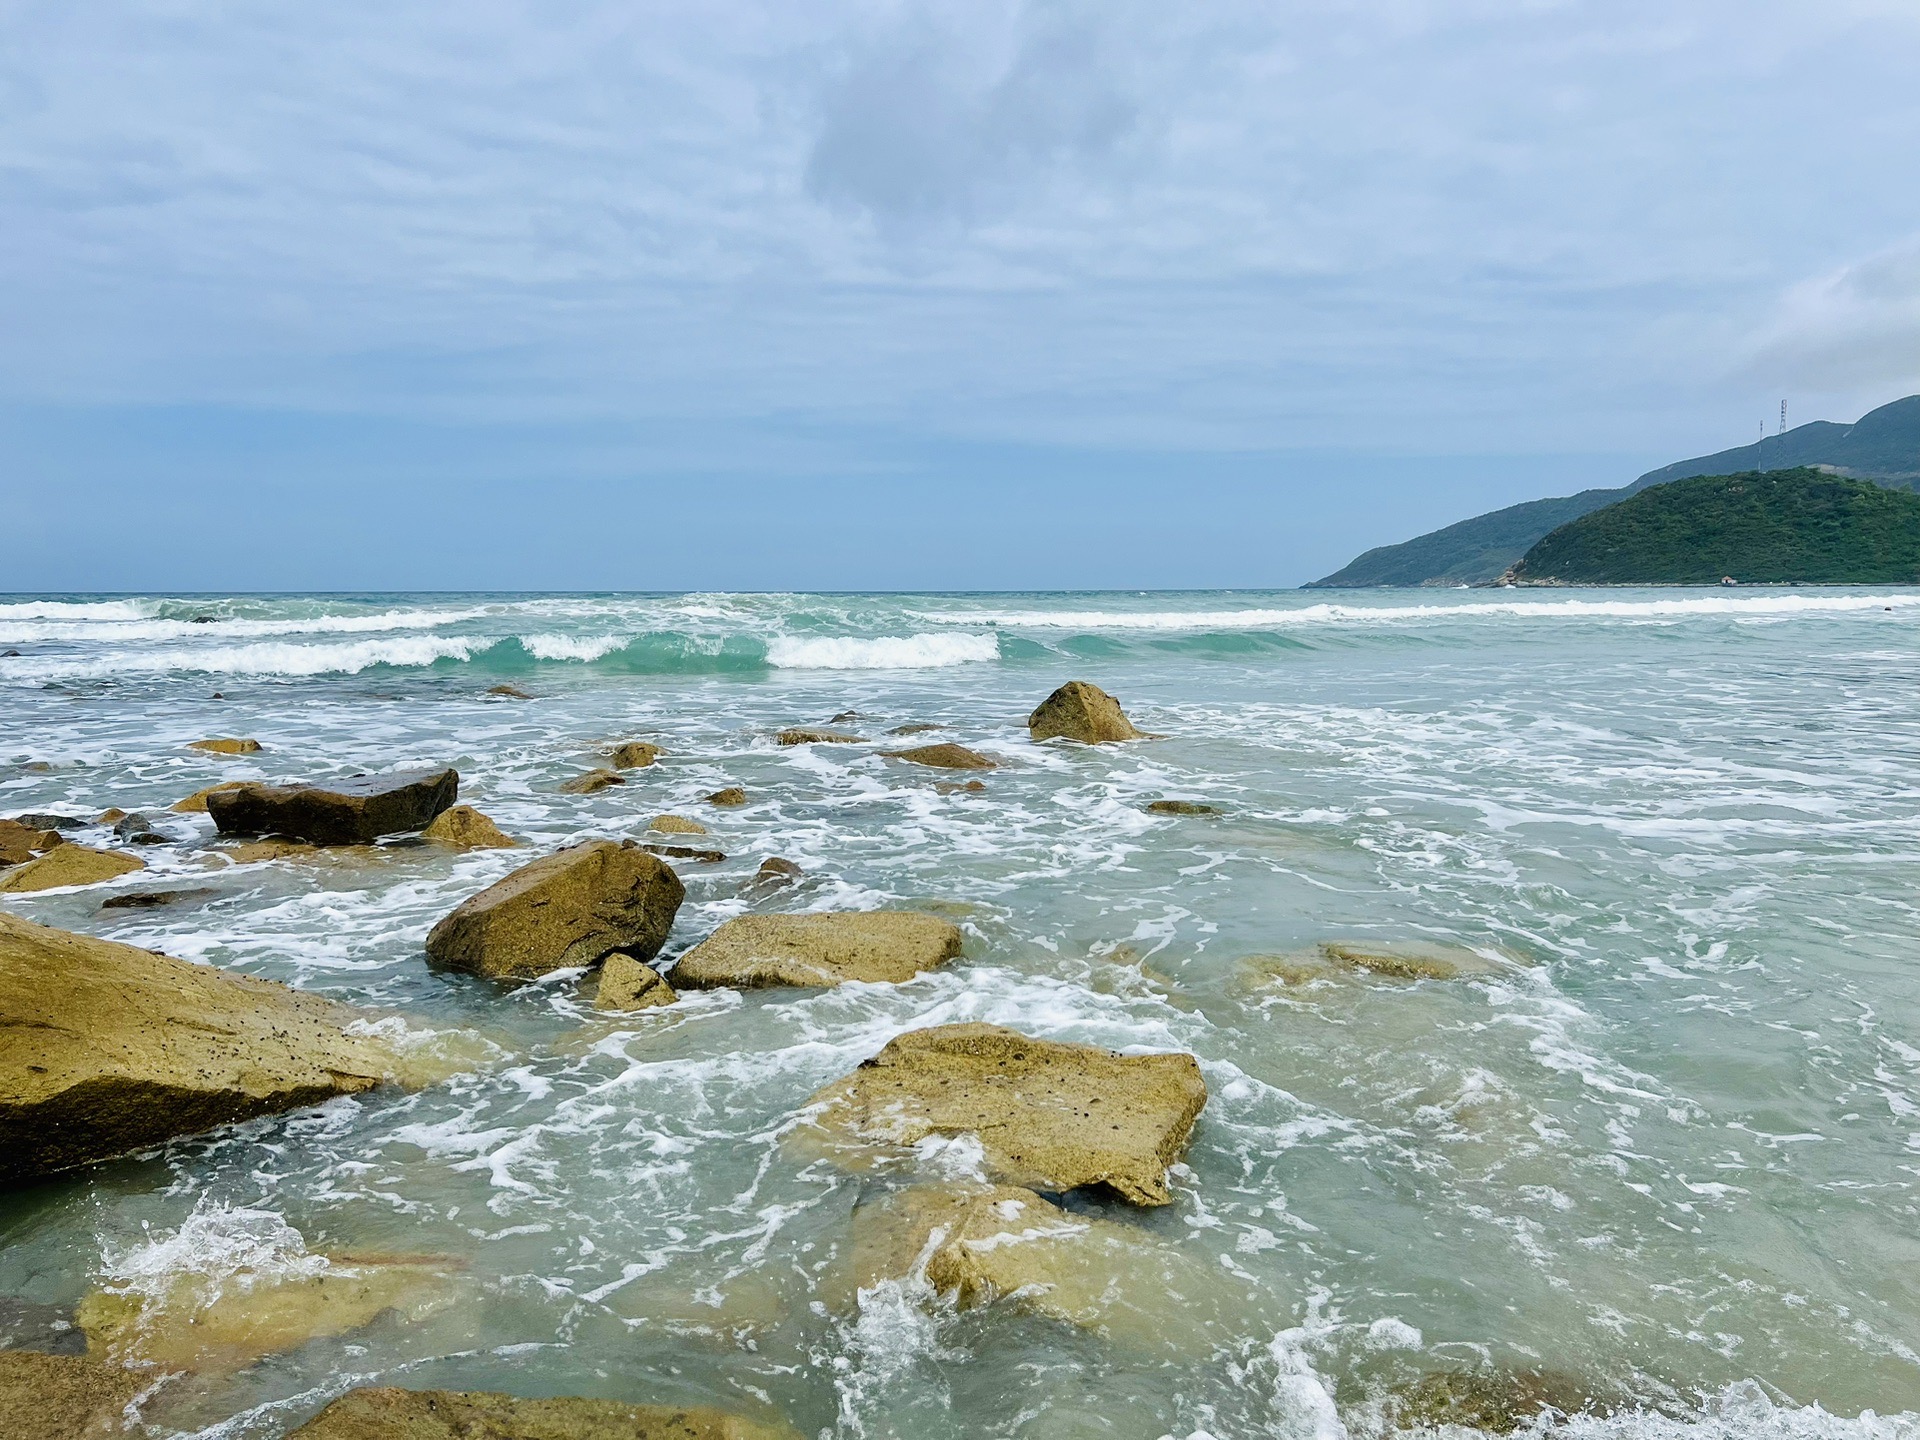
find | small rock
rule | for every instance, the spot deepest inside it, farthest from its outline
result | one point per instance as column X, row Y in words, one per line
column 9, row 654
column 592, row 781
column 1049, row 1116
column 345, row 812
column 846, row 717
column 510, row 692
column 775, row 871
column 816, row 737
column 466, row 828
column 66, row 865
column 916, row 727
column 1181, row 807
column 204, row 620
column 111, row 815
column 274, row 847
column 955, row 788
column 877, row 946
column 627, row 984
column 135, row 829
column 574, row 907
column 732, row 795
column 634, row 755
column 384, row 1414
column 196, row 803
column 227, row 746
column 64, row 1397
column 37, row 767
column 153, row 899
column 47, row 820
column 676, row 825
column 1083, row 712
column 686, row 852
column 943, row 757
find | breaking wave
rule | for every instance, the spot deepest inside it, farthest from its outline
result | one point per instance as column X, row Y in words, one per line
column 905, row 652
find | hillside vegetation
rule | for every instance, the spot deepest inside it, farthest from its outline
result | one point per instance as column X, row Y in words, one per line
column 1799, row 526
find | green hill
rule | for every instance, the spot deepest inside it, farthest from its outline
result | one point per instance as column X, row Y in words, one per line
column 1882, row 446
column 1799, row 526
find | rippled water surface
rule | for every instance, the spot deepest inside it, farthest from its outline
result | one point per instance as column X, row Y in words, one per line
column 1662, row 1137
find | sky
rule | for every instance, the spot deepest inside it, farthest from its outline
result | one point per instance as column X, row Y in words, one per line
column 904, row 294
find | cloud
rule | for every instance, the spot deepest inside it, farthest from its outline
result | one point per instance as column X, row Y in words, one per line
column 1855, row 328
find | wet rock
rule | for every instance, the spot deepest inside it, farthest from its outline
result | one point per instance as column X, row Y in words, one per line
column 801, row 736
column 876, row 946
column 634, row 755
column 1410, row 959
column 346, row 812
column 66, row 865
column 676, row 825
column 25, row 1325
column 687, row 852
column 155, row 899
column 943, row 757
column 626, row 984
column 1083, row 712
column 112, row 815
column 846, row 717
column 196, row 803
column 204, row 620
column 1496, row 1402
column 1181, row 807
column 732, row 795
column 9, row 654
column 48, row 820
column 110, row 1049
column 274, row 847
column 136, row 829
column 64, row 1397
column 592, row 781
column 1049, row 1116
column 192, row 1321
column 775, row 871
column 384, row 1414
column 226, row 745
column 571, row 908
column 466, row 828
column 917, row 727
column 509, row 692
column 37, row 767
column 20, row 843
column 954, row 788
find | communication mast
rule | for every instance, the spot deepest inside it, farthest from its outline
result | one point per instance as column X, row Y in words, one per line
column 1783, row 417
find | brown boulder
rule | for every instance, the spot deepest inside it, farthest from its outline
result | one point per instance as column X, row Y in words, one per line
column 732, row 795
column 877, row 946
column 1049, row 1116
column 154, row 899
column 574, row 907
column 227, row 746
column 591, row 782
column 387, row 1414
column 943, row 757
column 64, row 1397
column 803, row 736
column 110, row 1049
column 1181, row 807
column 509, row 692
column 196, row 803
column 466, row 828
column 916, row 727
column 346, row 812
column 68, row 865
column 1082, row 712
column 626, row 984
column 676, row 825
column 634, row 755
column 774, row 870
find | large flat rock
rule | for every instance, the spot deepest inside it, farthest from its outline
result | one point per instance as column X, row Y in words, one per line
column 106, row 1049
column 878, row 946
column 66, row 865
column 572, row 908
column 388, row 1414
column 1049, row 1116
column 345, row 812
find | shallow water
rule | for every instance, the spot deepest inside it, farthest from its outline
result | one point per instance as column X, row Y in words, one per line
column 1661, row 1138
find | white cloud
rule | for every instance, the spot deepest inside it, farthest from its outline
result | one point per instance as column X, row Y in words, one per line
column 1852, row 329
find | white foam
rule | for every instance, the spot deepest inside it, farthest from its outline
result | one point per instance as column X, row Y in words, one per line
column 1727, row 606
column 571, row 647
column 79, row 610
column 904, row 652
column 277, row 658
column 120, row 632
column 218, row 1245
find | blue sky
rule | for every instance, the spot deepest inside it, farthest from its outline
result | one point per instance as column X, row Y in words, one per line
column 848, row 295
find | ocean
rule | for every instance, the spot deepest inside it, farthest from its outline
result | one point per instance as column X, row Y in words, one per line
column 1653, row 1132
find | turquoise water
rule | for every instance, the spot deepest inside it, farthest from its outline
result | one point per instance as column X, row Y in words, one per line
column 1663, row 1137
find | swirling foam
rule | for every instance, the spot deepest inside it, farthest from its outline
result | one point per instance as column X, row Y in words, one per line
column 905, row 652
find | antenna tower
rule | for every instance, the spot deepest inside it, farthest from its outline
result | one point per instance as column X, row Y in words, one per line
column 1783, row 417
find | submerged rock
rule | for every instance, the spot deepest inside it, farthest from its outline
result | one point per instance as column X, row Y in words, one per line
column 467, row 829
column 572, row 908
column 274, row 847
column 591, row 782
column 686, row 852
column 803, row 736
column 66, row 865
column 676, row 825
column 634, row 755
column 110, row 1049
column 953, row 788
column 154, row 899
column 227, row 746
column 196, row 803
column 732, row 795
column 1494, row 1401
column 386, row 1414
column 64, row 1397
column 509, row 692
column 916, row 727
column 877, row 946
column 627, row 984
column 1083, row 712
column 346, row 812
column 1049, row 1116
column 136, row 829
column 777, row 871
column 1181, row 807
column 1411, row 959
column 943, row 757
column 47, row 820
